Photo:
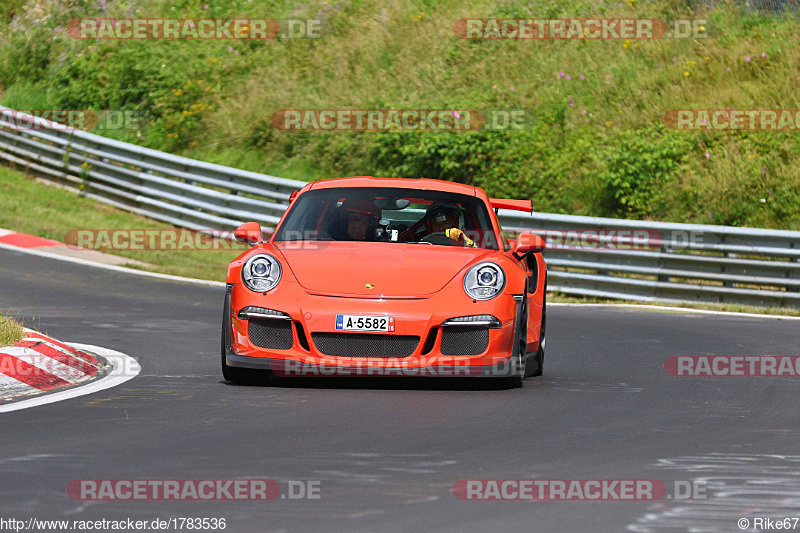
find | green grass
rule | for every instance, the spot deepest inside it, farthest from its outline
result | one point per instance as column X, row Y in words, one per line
column 599, row 145
column 10, row 331
column 28, row 206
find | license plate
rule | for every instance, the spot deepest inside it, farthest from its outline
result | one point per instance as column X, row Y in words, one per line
column 364, row 323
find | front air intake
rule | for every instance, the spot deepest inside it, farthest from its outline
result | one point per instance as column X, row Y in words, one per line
column 365, row 345
column 270, row 334
column 465, row 340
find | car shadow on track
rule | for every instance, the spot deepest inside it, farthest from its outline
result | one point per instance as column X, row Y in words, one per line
column 378, row 383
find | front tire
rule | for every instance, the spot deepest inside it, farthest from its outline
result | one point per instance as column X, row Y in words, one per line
column 516, row 381
column 540, row 352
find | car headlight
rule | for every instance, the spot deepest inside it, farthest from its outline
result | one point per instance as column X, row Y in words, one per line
column 484, row 281
column 261, row 273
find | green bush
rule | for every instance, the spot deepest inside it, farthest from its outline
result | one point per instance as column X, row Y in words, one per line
column 597, row 147
column 638, row 170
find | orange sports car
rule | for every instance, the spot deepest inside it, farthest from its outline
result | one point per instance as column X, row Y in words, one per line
column 369, row 276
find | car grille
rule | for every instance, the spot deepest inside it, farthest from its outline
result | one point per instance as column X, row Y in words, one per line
column 270, row 333
column 365, row 345
column 464, row 340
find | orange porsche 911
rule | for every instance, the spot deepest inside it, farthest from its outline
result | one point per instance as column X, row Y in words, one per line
column 372, row 276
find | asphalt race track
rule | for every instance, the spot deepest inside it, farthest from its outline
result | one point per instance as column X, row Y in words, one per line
column 388, row 453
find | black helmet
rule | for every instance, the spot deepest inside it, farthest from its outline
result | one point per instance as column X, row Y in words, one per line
column 439, row 211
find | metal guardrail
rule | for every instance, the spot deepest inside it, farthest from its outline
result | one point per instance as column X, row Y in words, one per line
column 670, row 262
column 178, row 190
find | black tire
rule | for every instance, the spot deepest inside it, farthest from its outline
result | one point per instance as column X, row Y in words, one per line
column 539, row 370
column 516, row 381
column 540, row 352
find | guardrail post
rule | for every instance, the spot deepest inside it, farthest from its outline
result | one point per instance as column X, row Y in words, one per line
column 664, row 249
column 67, row 153
column 724, row 240
column 788, row 274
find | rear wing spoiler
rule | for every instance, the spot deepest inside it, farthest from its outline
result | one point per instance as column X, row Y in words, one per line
column 516, row 205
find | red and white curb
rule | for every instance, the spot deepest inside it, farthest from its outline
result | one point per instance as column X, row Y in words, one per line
column 40, row 366
column 23, row 240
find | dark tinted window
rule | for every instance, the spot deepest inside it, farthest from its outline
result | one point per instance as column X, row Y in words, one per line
column 388, row 215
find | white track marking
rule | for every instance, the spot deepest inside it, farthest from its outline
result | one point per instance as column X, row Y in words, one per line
column 733, row 486
column 87, row 262
column 123, row 368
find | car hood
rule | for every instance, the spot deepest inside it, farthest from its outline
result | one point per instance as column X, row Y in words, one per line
column 393, row 269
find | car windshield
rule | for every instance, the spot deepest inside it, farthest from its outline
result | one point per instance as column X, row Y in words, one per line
column 389, row 215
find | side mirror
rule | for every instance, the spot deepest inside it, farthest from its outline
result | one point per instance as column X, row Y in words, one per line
column 249, row 232
column 528, row 243
column 293, row 196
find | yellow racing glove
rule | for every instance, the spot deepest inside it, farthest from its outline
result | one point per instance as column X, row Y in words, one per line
column 458, row 235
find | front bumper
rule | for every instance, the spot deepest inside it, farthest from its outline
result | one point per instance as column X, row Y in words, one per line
column 293, row 367
column 293, row 344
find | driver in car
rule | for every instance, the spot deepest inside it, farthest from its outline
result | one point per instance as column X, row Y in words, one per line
column 444, row 218
column 360, row 217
